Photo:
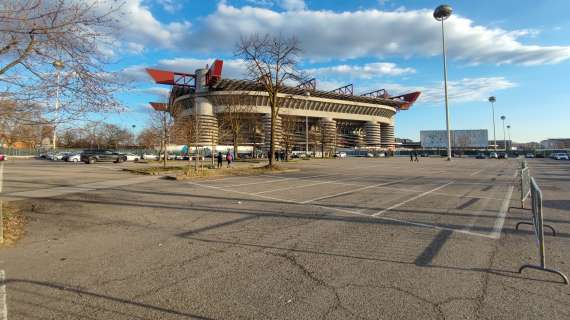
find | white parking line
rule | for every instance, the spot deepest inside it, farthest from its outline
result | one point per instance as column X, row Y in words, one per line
column 3, row 306
column 502, row 214
column 411, row 199
column 477, row 172
column 354, row 190
column 294, row 187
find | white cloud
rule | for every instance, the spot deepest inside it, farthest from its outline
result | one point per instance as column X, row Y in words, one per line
column 345, row 35
column 171, row 6
column 366, row 71
column 293, row 5
column 459, row 91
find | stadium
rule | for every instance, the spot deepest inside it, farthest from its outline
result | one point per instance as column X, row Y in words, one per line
column 309, row 118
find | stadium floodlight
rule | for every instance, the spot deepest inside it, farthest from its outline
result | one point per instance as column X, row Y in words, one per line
column 441, row 13
column 492, row 99
column 504, row 135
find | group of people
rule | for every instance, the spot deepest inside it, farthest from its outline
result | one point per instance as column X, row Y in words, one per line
column 414, row 157
column 229, row 159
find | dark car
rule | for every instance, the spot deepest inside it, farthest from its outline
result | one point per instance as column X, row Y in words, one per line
column 481, row 156
column 503, row 155
column 92, row 156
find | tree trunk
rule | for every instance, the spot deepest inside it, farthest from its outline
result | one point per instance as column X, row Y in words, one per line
column 272, row 139
column 235, row 146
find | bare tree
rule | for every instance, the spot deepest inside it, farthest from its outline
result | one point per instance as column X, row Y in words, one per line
column 271, row 61
column 291, row 127
column 162, row 122
column 36, row 35
column 232, row 121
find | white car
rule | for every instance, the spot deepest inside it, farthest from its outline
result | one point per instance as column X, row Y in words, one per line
column 340, row 155
column 73, row 158
column 150, row 156
column 132, row 157
column 493, row 155
column 560, row 156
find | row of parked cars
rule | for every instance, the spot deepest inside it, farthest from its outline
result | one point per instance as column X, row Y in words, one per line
column 93, row 156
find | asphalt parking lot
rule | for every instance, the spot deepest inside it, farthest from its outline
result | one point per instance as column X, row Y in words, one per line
column 339, row 239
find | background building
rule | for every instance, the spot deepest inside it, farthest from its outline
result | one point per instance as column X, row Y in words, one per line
column 459, row 138
column 559, row 143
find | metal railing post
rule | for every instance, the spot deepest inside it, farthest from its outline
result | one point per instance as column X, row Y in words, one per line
column 538, row 222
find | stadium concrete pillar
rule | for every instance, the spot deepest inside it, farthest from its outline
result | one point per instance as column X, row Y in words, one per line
column 373, row 134
column 387, row 135
column 205, row 122
column 328, row 125
column 266, row 121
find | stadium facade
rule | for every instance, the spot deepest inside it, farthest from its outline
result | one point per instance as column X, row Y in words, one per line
column 332, row 119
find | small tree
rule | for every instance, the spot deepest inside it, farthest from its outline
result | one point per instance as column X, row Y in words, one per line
column 272, row 62
column 232, row 120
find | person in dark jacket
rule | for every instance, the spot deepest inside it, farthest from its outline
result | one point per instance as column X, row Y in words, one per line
column 220, row 160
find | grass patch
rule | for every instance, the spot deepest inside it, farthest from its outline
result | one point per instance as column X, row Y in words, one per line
column 156, row 170
column 224, row 172
column 14, row 223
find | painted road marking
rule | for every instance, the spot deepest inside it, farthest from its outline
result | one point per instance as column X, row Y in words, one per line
column 354, row 190
column 411, row 199
column 502, row 214
column 417, row 224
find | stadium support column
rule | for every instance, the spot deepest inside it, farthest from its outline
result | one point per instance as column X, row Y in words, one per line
column 266, row 121
column 387, row 135
column 205, row 121
column 328, row 125
column 373, row 134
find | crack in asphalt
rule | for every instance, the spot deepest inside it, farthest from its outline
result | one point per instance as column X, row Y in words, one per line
column 337, row 304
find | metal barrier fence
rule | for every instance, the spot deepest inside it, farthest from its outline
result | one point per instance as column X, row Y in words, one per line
column 525, row 185
column 538, row 223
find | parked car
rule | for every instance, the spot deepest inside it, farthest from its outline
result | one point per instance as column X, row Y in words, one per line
column 340, row 155
column 74, row 157
column 2, row 157
column 56, row 156
column 92, row 156
column 132, row 157
column 559, row 156
column 529, row 155
column 481, row 156
column 493, row 155
column 149, row 156
column 503, row 155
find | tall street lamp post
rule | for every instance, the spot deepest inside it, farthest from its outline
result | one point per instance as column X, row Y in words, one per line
column 509, row 135
column 441, row 13
column 134, row 137
column 504, row 135
column 492, row 99
column 58, row 65
column 307, row 94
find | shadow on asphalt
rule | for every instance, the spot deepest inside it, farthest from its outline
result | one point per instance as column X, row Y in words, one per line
column 13, row 283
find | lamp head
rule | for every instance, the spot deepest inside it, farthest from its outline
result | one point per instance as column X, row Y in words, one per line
column 492, row 99
column 442, row 12
column 503, row 118
column 508, row 126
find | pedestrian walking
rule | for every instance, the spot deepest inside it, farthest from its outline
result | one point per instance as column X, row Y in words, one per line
column 229, row 159
column 411, row 156
column 220, row 160
column 416, row 157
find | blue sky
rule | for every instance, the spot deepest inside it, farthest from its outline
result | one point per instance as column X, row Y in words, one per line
column 518, row 51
